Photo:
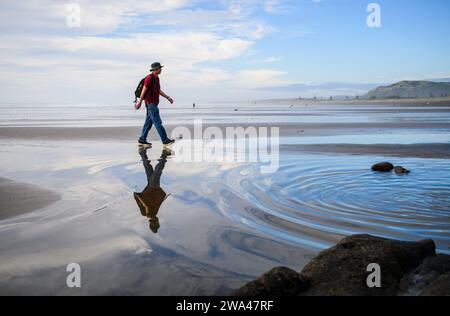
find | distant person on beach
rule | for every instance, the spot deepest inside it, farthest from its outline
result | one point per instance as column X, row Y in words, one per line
column 193, row 105
column 152, row 91
column 150, row 200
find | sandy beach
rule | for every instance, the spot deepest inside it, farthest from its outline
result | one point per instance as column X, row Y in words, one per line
column 442, row 101
column 218, row 149
column 19, row 198
column 220, row 224
column 128, row 133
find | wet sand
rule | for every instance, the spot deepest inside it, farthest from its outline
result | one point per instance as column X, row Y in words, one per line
column 412, row 150
column 222, row 224
column 130, row 134
column 19, row 198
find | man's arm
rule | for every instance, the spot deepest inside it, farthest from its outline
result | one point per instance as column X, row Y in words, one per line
column 139, row 101
column 166, row 96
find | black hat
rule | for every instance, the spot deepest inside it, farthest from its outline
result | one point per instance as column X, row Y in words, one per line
column 156, row 66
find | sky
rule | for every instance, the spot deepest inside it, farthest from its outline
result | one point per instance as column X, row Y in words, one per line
column 95, row 52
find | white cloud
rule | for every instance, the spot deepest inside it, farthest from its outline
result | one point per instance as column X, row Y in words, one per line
column 97, row 17
column 116, row 43
column 259, row 78
column 268, row 60
column 274, row 6
column 206, row 77
column 98, row 66
column 246, row 7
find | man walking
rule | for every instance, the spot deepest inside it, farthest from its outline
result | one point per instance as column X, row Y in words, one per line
column 152, row 91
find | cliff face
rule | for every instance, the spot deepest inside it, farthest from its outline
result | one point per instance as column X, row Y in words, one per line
column 406, row 268
column 411, row 89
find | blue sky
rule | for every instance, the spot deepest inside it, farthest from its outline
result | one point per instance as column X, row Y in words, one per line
column 217, row 50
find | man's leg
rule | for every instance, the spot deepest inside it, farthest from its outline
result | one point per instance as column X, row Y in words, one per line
column 147, row 166
column 147, row 125
column 154, row 112
column 155, row 179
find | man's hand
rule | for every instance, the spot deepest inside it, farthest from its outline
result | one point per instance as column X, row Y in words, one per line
column 138, row 104
column 161, row 93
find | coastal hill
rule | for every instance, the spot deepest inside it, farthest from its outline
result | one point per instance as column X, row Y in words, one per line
column 403, row 92
column 411, row 89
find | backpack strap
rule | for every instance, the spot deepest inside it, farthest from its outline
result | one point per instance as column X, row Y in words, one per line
column 152, row 80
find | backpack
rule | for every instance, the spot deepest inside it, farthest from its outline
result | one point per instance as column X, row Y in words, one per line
column 138, row 91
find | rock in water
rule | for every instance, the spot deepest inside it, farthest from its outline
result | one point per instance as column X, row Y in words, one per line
column 280, row 281
column 401, row 170
column 383, row 167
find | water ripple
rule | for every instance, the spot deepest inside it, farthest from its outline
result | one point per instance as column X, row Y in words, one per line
column 314, row 199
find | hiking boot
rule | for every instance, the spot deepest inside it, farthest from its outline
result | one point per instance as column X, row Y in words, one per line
column 144, row 143
column 166, row 153
column 169, row 142
column 142, row 150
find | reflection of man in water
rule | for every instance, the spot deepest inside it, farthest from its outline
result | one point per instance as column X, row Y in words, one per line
column 150, row 200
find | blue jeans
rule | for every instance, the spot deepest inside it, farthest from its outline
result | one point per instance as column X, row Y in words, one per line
column 153, row 118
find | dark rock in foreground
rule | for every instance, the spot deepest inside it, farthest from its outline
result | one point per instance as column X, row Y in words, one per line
column 440, row 287
column 407, row 268
column 383, row 167
column 342, row 269
column 422, row 280
column 283, row 281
